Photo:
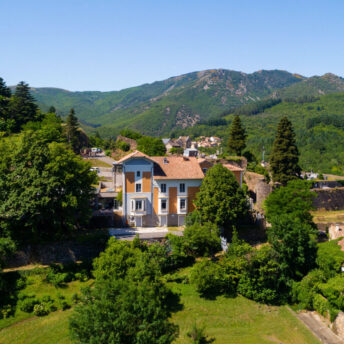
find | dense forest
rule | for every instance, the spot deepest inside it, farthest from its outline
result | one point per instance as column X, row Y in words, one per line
column 318, row 123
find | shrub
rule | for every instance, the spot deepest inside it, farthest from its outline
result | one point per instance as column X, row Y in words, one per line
column 27, row 305
column 76, row 298
column 178, row 257
column 198, row 336
column 6, row 311
column 260, row 280
column 124, row 146
column 330, row 257
column 40, row 310
column 208, row 277
column 320, row 304
column 202, row 240
column 64, row 305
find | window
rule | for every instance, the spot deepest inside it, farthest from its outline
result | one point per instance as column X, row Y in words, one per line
column 138, row 187
column 182, row 187
column 163, row 188
column 163, row 204
column 138, row 205
column 182, row 204
column 138, row 173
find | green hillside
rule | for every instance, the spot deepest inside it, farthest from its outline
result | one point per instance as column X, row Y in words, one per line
column 157, row 108
column 319, row 127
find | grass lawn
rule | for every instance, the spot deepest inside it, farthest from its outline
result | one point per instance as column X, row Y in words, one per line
column 325, row 216
column 238, row 320
column 98, row 163
column 229, row 320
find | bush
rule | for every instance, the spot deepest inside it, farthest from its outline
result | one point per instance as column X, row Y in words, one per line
column 124, row 146
column 208, row 277
column 202, row 240
column 27, row 305
column 40, row 310
column 330, row 257
column 198, row 336
column 320, row 304
column 58, row 279
column 64, row 305
column 178, row 256
column 76, row 298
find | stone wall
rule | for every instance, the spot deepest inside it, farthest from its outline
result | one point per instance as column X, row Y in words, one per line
column 329, row 199
column 258, row 188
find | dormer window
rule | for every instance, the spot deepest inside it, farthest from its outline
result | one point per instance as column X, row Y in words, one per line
column 138, row 173
column 182, row 188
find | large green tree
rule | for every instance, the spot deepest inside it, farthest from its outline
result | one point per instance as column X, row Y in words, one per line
column 151, row 146
column 221, row 201
column 127, row 307
column 45, row 189
column 296, row 199
column 284, row 160
column 295, row 243
column 71, row 130
column 22, row 107
column 237, row 137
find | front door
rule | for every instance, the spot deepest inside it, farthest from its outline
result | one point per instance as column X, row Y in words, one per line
column 138, row 221
column 163, row 220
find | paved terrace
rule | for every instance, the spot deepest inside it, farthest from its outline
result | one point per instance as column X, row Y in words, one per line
column 145, row 233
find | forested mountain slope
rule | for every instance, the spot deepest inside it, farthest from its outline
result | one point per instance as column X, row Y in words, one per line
column 318, row 123
column 157, row 108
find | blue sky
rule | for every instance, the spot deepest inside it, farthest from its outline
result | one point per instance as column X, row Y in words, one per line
column 110, row 45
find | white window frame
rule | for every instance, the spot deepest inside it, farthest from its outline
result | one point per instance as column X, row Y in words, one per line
column 180, row 204
column 180, row 188
column 136, row 185
column 163, row 200
column 139, row 202
column 138, row 174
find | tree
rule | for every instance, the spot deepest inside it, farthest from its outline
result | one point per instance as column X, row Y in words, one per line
column 221, row 201
column 237, row 137
column 5, row 93
column 202, row 240
column 22, row 107
column 151, row 146
column 129, row 307
column 284, row 161
column 72, row 132
column 295, row 199
column 294, row 241
column 52, row 109
column 45, row 189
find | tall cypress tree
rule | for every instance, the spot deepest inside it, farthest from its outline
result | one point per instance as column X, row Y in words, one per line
column 284, row 159
column 237, row 137
column 22, row 107
column 72, row 132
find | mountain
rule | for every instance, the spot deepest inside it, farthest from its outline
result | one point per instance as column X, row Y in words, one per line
column 179, row 101
column 318, row 123
column 182, row 101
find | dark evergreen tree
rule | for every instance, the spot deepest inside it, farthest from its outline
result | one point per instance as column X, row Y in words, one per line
column 284, row 159
column 4, row 90
column 72, row 132
column 5, row 94
column 237, row 137
column 52, row 109
column 22, row 107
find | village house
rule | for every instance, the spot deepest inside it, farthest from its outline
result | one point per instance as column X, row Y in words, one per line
column 160, row 191
column 181, row 142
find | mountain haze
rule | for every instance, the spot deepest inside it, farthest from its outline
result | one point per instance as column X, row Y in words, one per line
column 182, row 101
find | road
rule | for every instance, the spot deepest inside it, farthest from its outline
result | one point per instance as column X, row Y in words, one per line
column 319, row 328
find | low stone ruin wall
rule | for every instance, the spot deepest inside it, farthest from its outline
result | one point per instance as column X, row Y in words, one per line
column 329, row 199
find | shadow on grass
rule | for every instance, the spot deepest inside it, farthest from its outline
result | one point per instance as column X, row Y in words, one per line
column 173, row 302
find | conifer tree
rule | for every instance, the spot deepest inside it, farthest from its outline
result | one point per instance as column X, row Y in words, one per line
column 5, row 94
column 237, row 137
column 72, row 132
column 52, row 109
column 284, row 159
column 22, row 107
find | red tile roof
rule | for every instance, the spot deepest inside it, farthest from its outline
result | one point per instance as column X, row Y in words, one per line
column 177, row 167
column 233, row 168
